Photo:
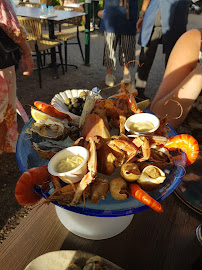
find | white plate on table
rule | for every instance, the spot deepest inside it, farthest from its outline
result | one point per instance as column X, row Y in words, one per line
column 60, row 260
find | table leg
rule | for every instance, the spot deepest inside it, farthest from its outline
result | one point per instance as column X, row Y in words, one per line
column 93, row 15
column 53, row 52
column 87, row 31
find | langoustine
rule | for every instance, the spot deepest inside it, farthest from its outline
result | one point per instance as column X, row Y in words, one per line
column 24, row 190
column 51, row 110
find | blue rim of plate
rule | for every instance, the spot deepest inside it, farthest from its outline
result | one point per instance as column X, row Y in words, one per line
column 27, row 158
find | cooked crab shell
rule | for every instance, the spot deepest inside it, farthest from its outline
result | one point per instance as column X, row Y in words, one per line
column 160, row 153
column 50, row 129
column 151, row 174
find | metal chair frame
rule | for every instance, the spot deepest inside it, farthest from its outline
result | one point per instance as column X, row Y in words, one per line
column 66, row 36
column 39, row 44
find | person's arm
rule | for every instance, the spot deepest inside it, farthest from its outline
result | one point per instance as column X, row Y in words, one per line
column 144, row 7
column 182, row 80
column 27, row 60
column 9, row 23
column 100, row 12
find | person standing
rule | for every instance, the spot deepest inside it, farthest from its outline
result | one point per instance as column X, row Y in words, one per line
column 160, row 21
column 118, row 22
column 8, row 118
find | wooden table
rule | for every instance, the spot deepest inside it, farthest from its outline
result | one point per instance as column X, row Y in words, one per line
column 151, row 241
column 60, row 16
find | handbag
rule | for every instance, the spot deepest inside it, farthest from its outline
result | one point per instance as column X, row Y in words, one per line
column 10, row 53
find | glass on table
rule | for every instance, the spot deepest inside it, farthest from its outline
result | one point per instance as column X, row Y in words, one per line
column 51, row 10
column 44, row 10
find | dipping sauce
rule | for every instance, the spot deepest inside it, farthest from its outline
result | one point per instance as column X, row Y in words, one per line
column 70, row 163
column 142, row 126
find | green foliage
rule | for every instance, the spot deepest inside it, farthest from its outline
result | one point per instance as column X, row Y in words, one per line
column 55, row 3
column 140, row 4
column 98, row 7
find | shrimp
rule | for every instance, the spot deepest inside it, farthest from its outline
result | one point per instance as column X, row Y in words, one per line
column 145, row 198
column 51, row 110
column 118, row 189
column 24, row 190
column 187, row 144
column 130, row 98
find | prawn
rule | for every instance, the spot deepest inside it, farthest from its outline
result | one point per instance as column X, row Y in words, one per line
column 24, row 190
column 142, row 196
column 51, row 110
column 130, row 98
column 187, row 143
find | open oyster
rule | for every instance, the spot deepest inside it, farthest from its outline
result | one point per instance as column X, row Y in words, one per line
column 46, row 150
column 50, row 129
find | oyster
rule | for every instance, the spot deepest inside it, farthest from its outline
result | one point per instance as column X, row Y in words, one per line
column 46, row 150
column 50, row 129
column 151, row 177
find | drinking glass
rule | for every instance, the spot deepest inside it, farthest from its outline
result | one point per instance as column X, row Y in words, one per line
column 51, row 10
column 44, row 10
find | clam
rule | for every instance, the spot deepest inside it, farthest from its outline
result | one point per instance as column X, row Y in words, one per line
column 151, row 177
column 50, row 129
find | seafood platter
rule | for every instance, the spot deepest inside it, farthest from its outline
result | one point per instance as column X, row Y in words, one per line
column 126, row 169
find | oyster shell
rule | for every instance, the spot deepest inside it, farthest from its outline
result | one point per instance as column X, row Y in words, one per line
column 50, row 129
column 151, row 177
column 46, row 150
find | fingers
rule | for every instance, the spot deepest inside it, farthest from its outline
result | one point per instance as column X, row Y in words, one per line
column 139, row 25
column 28, row 64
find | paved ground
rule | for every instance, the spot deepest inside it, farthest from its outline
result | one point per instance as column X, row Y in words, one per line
column 85, row 77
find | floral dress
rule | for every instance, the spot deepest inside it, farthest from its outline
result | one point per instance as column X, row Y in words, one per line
column 10, row 25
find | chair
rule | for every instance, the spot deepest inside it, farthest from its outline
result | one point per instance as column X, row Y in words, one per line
column 67, row 34
column 29, row 4
column 38, row 44
column 47, row 2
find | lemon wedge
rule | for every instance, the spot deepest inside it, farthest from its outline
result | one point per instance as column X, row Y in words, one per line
column 39, row 115
column 143, row 104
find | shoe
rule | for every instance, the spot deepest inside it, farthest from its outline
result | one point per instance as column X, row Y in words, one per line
column 126, row 77
column 109, row 80
column 141, row 93
column 91, row 27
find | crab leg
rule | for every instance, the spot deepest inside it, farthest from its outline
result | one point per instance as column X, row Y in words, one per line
column 90, row 176
column 121, row 95
column 143, row 142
